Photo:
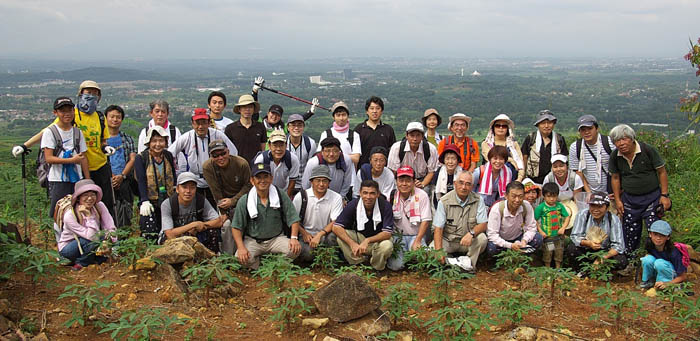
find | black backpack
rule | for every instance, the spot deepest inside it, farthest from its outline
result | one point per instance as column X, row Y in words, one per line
column 198, row 206
column 42, row 167
column 467, row 141
column 351, row 136
column 304, row 202
column 267, row 158
column 603, row 139
column 426, row 149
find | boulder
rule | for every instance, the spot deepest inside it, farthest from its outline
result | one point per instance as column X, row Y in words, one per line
column 174, row 251
column 314, row 323
column 201, row 252
column 374, row 323
column 346, row 298
column 145, row 264
column 544, row 335
column 172, row 277
column 524, row 334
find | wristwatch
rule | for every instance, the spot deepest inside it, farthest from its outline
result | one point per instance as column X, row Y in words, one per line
column 295, row 237
column 665, row 195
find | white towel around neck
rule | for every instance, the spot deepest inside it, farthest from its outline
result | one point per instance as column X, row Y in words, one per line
column 538, row 142
column 252, row 202
column 361, row 215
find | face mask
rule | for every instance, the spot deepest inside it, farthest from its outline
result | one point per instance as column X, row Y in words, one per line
column 87, row 103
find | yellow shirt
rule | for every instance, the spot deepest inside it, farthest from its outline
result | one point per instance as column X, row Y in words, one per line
column 89, row 124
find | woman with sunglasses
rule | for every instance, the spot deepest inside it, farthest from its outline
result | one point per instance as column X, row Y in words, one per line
column 501, row 133
column 155, row 173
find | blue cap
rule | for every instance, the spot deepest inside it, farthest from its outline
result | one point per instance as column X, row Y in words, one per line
column 260, row 168
column 660, row 226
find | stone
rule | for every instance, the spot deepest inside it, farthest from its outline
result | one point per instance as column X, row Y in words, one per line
column 374, row 323
column 41, row 337
column 405, row 335
column 314, row 323
column 183, row 316
column 174, row 251
column 201, row 252
column 544, row 335
column 608, row 333
column 4, row 324
column 131, row 297
column 346, row 298
column 524, row 334
column 519, row 271
column 166, row 297
column 650, row 293
column 171, row 277
column 145, row 264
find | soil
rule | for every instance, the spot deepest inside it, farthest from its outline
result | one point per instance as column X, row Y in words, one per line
column 246, row 315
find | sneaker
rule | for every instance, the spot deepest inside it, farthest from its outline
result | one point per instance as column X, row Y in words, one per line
column 76, row 267
column 646, row 285
column 581, row 274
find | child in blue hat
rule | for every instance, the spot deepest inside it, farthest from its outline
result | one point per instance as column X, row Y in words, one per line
column 664, row 264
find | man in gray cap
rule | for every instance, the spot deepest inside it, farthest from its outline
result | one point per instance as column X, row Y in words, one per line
column 597, row 229
column 416, row 152
column 299, row 144
column 539, row 146
column 265, row 221
column 189, row 213
column 318, row 208
column 590, row 156
column 228, row 176
column 342, row 169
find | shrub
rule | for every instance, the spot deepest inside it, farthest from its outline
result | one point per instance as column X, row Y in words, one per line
column 212, row 273
column 278, row 270
column 619, row 302
column 146, row 323
column 325, row 258
column 400, row 301
column 510, row 306
column 289, row 304
column 458, row 321
column 597, row 266
column 88, row 301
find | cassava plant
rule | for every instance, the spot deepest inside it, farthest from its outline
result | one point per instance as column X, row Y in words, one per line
column 288, row 304
column 509, row 306
column 553, row 280
column 278, row 270
column 458, row 321
column 400, row 300
column 512, row 260
column 325, row 258
column 212, row 273
column 597, row 266
column 619, row 303
column 87, row 301
column 146, row 323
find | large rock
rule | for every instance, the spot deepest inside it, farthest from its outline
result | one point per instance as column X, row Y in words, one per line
column 172, row 277
column 524, row 334
column 346, row 298
column 181, row 250
column 145, row 264
column 544, row 335
column 374, row 323
column 201, row 252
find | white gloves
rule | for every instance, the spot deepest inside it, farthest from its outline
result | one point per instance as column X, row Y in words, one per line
column 109, row 150
column 146, row 208
column 314, row 104
column 259, row 81
column 18, row 150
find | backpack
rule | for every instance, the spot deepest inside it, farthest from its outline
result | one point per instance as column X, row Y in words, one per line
column 366, row 172
column 304, row 203
column 307, row 144
column 287, row 158
column 603, row 139
column 502, row 206
column 198, row 206
column 468, row 141
column 43, row 167
column 683, row 249
column 285, row 227
column 426, row 149
column 62, row 205
column 351, row 135
column 572, row 179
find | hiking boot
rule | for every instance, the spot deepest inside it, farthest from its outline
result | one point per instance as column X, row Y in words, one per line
column 646, row 285
column 628, row 271
column 76, row 267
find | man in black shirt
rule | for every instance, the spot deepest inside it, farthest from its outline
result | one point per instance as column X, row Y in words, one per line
column 372, row 131
column 248, row 135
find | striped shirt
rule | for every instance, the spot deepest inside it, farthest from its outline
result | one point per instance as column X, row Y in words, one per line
column 596, row 183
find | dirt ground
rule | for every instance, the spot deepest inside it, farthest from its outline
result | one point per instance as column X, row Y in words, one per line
column 246, row 316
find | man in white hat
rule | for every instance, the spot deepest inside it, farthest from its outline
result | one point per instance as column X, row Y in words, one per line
column 468, row 148
column 248, row 135
column 284, row 165
column 417, row 152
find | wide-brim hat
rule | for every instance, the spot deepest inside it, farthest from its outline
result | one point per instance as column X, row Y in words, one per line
column 459, row 116
column 245, row 100
column 427, row 114
column 450, row 148
column 502, row 117
column 89, row 84
column 545, row 115
column 83, row 186
column 157, row 130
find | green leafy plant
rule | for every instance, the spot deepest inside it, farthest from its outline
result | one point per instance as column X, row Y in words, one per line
column 278, row 270
column 397, row 240
column 510, row 306
column 458, row 321
column 401, row 299
column 28, row 325
column 325, row 258
column 133, row 248
column 88, row 300
column 289, row 304
column 511, row 260
column 689, row 313
column 146, row 323
column 597, row 266
column 41, row 264
column 362, row 270
column 553, row 279
column 676, row 292
column 661, row 333
column 424, row 260
column 446, row 278
column 212, row 273
column 620, row 303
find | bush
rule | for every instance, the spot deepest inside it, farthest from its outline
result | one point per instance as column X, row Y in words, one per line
column 88, row 301
column 212, row 273
column 145, row 323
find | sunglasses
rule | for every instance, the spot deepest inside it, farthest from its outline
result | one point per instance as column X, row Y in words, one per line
column 504, row 126
column 217, row 155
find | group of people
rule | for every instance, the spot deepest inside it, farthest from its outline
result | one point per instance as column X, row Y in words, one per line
column 261, row 185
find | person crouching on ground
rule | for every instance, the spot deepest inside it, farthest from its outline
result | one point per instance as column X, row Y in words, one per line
column 82, row 225
column 664, row 264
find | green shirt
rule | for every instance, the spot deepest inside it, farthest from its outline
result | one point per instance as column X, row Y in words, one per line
column 641, row 178
column 268, row 223
column 551, row 218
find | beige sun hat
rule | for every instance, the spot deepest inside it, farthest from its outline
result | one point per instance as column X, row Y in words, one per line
column 245, row 100
column 89, row 84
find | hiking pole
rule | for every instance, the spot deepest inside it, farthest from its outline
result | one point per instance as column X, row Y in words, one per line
column 292, row 97
column 24, row 195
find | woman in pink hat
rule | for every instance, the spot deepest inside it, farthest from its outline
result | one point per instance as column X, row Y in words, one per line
column 83, row 224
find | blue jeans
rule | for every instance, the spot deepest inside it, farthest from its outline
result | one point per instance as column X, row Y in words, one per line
column 492, row 250
column 396, row 263
column 72, row 252
column 657, row 269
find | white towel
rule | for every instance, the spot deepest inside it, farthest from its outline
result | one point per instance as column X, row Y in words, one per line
column 361, row 215
column 598, row 163
column 538, row 143
column 441, row 182
column 463, row 262
column 252, row 202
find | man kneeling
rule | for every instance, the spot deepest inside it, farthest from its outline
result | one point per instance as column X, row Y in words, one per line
column 189, row 213
column 260, row 223
column 364, row 228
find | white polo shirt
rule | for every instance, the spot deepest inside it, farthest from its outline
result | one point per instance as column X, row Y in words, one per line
column 319, row 211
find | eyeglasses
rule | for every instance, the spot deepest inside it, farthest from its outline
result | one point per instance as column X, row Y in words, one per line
column 504, row 126
column 217, row 155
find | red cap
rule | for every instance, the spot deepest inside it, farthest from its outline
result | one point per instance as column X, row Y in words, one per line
column 200, row 113
column 404, row 171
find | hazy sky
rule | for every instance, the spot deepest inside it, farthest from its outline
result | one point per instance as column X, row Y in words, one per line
column 149, row 29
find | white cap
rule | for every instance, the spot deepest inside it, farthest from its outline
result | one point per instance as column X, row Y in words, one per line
column 559, row 157
column 414, row 126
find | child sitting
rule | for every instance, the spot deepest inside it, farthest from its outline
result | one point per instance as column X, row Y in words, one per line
column 81, row 225
column 664, row 264
column 549, row 215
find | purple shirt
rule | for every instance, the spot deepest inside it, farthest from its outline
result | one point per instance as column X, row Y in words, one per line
column 509, row 227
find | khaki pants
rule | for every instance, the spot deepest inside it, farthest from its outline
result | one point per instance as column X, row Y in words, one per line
column 473, row 251
column 558, row 251
column 379, row 253
column 279, row 244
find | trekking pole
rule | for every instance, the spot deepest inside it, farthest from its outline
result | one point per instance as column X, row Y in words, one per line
column 292, row 97
column 27, row 237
